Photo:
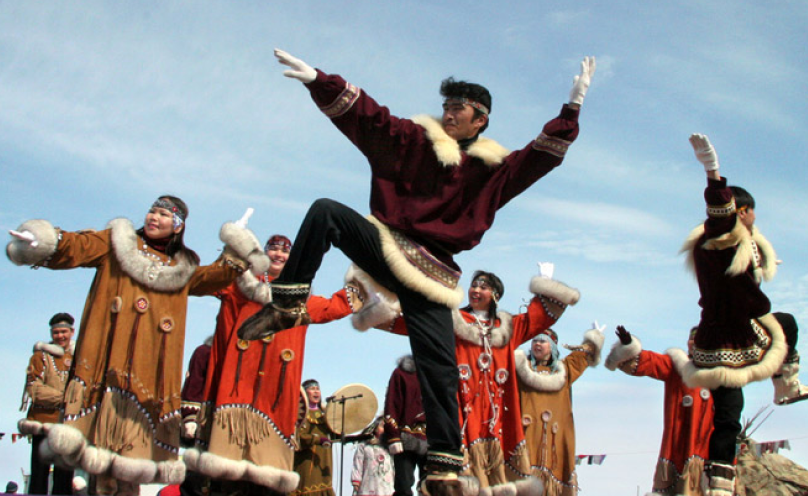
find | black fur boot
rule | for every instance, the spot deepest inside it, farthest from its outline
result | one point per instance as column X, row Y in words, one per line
column 286, row 310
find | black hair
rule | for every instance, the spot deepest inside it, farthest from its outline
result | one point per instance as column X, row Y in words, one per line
column 62, row 317
column 497, row 290
column 176, row 242
column 449, row 88
column 742, row 197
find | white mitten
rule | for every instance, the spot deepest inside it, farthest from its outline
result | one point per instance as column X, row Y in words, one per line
column 299, row 69
column 705, row 152
column 396, row 448
column 597, row 327
column 242, row 222
column 25, row 236
column 580, row 83
column 189, row 430
column 546, row 269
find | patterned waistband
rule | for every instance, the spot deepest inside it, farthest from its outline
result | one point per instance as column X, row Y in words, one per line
column 429, row 265
column 736, row 358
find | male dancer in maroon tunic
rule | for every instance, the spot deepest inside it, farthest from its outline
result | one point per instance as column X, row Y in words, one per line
column 436, row 186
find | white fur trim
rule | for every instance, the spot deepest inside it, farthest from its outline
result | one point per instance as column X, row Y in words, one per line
column 469, row 485
column 741, row 238
column 170, row 472
column 136, row 470
column 406, row 363
column 554, row 289
column 282, row 481
column 596, row 339
column 21, row 252
column 50, row 348
column 65, row 440
column 447, row 150
column 217, row 467
column 96, row 460
column 530, row 486
column 254, row 288
column 382, row 305
column 506, row 489
column 623, row 352
column 191, row 459
column 545, row 381
column 45, row 451
column 470, row 331
column 30, row 427
column 411, row 276
column 714, row 377
column 246, row 245
column 138, row 267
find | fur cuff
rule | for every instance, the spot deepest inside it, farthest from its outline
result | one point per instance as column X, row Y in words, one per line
column 623, row 352
column 246, row 246
column 380, row 306
column 30, row 427
column 22, row 253
column 554, row 289
column 594, row 339
column 254, row 288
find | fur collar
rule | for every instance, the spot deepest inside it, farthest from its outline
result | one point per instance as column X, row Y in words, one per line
column 125, row 246
column 54, row 349
column 741, row 238
column 254, row 288
column 448, row 150
column 470, row 331
column 540, row 381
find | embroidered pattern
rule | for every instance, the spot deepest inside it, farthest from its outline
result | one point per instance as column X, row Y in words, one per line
column 724, row 210
column 735, row 358
column 343, row 103
column 551, row 145
column 425, row 262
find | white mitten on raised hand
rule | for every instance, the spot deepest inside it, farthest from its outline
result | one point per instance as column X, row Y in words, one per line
column 298, row 69
column 580, row 83
column 242, row 222
column 546, row 269
column 705, row 152
column 25, row 236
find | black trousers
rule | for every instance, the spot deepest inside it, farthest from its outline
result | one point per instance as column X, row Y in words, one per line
column 429, row 324
column 405, row 464
column 726, row 423
column 790, row 329
column 40, row 471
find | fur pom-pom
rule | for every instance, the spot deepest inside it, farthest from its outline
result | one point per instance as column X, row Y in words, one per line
column 554, row 289
column 96, row 460
column 21, row 252
column 65, row 440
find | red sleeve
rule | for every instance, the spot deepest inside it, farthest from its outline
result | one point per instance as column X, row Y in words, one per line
column 528, row 325
column 323, row 310
column 655, row 365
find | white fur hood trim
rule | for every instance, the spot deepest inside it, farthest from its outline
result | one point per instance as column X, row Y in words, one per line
column 540, row 381
column 623, row 352
column 741, row 238
column 555, row 289
column 135, row 265
column 470, row 331
column 448, row 150
column 54, row 349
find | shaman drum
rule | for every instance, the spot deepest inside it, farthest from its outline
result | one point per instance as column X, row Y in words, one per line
column 360, row 406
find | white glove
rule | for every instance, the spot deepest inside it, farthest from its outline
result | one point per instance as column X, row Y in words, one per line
column 705, row 152
column 597, row 327
column 242, row 222
column 25, row 236
column 300, row 70
column 546, row 269
column 189, row 430
column 396, row 448
column 580, row 83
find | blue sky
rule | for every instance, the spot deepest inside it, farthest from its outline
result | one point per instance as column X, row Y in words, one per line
column 105, row 105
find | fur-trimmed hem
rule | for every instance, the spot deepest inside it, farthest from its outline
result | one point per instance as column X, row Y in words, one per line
column 381, row 305
column 539, row 381
column 254, row 288
column 246, row 245
column 411, row 276
column 21, row 252
column 218, row 467
column 623, row 352
column 555, row 289
column 447, row 150
column 470, row 331
column 714, row 377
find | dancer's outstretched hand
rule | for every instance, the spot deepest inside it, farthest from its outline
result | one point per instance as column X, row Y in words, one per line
column 25, row 236
column 705, row 152
column 546, row 269
column 242, row 222
column 623, row 335
column 580, row 83
column 298, row 69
